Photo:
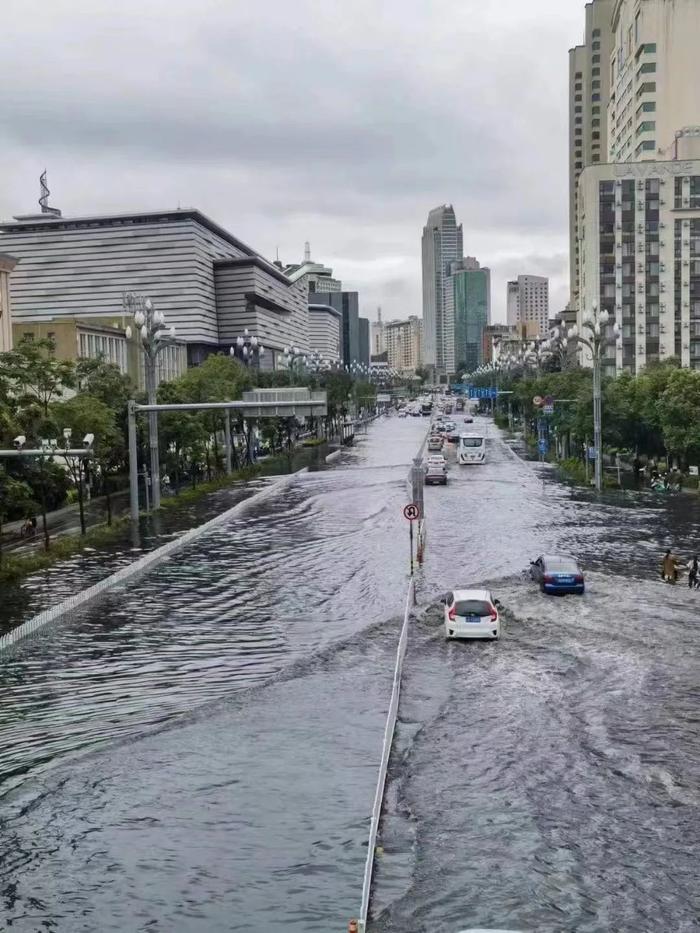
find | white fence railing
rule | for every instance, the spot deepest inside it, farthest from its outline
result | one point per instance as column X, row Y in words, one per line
column 386, row 754
column 139, row 566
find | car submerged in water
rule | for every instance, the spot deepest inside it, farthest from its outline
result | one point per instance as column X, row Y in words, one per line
column 558, row 574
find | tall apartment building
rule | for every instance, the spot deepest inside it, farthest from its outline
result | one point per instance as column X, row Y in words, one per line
column 471, row 300
column 528, row 304
column 655, row 73
column 441, row 245
column 589, row 91
column 404, row 341
column 7, row 264
column 639, row 230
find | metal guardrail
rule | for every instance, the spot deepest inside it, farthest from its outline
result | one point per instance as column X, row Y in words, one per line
column 139, row 566
column 386, row 753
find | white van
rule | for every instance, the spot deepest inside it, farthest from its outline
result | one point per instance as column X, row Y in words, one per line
column 471, row 449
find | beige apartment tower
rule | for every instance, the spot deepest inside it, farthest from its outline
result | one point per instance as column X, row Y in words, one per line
column 404, row 344
column 655, row 77
column 589, row 91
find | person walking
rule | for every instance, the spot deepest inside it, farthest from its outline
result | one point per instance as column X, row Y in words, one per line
column 669, row 567
column 693, row 569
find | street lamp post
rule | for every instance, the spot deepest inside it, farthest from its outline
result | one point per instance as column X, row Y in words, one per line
column 154, row 338
column 247, row 349
column 595, row 322
column 293, row 356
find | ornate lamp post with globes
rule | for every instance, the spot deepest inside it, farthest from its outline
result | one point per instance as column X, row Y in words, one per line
column 247, row 349
column 154, row 338
column 595, row 323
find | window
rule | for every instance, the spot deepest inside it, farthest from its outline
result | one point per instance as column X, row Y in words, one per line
column 595, row 33
column 595, row 96
column 645, row 126
column 647, row 68
column 595, row 134
column 596, row 46
column 595, row 158
column 578, row 131
column 578, row 75
column 595, row 72
column 28, row 337
column 578, row 120
column 578, row 98
column 579, row 109
column 595, row 85
column 578, row 154
column 647, row 88
column 595, row 109
column 578, row 87
column 645, row 146
column 578, row 166
column 595, row 121
column 647, row 106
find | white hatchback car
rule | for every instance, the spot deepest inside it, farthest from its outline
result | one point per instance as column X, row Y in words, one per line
column 472, row 614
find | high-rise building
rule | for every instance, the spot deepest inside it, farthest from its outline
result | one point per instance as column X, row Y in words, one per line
column 589, row 90
column 639, row 239
column 347, row 304
column 315, row 275
column 528, row 304
column 378, row 346
column 325, row 331
column 404, row 344
column 363, row 341
column 441, row 246
column 471, row 300
column 513, row 304
column 655, row 71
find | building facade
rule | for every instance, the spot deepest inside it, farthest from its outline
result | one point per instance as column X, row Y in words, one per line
column 471, row 290
column 528, row 303
column 441, row 245
column 377, row 335
column 7, row 264
column 364, row 348
column 316, row 276
column 639, row 238
column 325, row 332
column 655, row 70
column 404, row 344
column 208, row 283
column 589, row 93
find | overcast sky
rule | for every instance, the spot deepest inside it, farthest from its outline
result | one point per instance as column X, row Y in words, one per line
column 338, row 121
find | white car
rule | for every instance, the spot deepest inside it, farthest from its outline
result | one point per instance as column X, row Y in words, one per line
column 472, row 614
column 436, row 470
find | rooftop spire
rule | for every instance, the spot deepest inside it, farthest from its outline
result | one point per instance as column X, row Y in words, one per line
column 44, row 198
column 307, row 252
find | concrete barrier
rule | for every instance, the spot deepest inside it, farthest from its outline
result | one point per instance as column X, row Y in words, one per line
column 152, row 559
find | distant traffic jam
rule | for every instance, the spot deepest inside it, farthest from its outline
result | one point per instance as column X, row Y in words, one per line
column 472, row 612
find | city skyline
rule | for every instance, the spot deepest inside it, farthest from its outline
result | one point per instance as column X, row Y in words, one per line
column 354, row 171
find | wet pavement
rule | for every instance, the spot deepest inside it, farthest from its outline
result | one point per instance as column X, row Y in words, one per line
column 198, row 752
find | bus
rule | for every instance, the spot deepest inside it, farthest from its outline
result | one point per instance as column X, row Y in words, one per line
column 471, row 449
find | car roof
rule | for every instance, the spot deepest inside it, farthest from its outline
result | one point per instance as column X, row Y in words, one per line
column 471, row 594
column 547, row 557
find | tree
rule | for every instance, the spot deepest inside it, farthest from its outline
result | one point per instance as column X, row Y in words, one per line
column 85, row 414
column 679, row 413
column 35, row 376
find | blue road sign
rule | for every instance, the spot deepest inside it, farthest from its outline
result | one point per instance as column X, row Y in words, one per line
column 542, row 446
column 476, row 392
column 591, row 453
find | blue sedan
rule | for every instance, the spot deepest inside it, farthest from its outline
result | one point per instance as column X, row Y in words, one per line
column 557, row 574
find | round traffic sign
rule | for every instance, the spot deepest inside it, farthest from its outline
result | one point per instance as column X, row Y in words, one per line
column 411, row 511
column 538, row 401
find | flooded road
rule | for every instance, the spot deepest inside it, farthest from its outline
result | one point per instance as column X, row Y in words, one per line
column 198, row 752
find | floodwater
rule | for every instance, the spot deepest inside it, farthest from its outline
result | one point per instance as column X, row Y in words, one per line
column 198, row 751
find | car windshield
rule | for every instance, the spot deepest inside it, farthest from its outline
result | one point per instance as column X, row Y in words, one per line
column 472, row 441
column 560, row 565
column 473, row 607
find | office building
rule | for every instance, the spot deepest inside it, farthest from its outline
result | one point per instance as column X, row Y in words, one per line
column 639, row 240
column 528, row 303
column 208, row 283
column 404, row 341
column 316, row 276
column 441, row 245
column 7, row 264
column 347, row 304
column 492, row 337
column 364, row 348
column 377, row 347
column 471, row 303
column 589, row 91
column 655, row 69
column 103, row 338
column 325, row 332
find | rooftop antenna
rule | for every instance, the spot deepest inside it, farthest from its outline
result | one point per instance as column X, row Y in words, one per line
column 44, row 198
column 307, row 252
column 277, row 253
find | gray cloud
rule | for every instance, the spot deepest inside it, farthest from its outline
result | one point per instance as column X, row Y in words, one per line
column 342, row 122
